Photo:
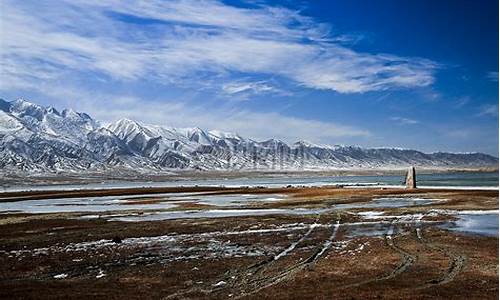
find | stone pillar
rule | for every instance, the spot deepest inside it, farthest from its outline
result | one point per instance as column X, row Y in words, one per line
column 411, row 179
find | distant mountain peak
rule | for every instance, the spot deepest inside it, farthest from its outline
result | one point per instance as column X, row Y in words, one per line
column 22, row 101
column 73, row 141
column 53, row 111
column 69, row 112
column 23, row 108
column 225, row 135
column 125, row 122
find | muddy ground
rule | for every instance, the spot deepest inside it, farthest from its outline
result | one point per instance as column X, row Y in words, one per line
column 398, row 253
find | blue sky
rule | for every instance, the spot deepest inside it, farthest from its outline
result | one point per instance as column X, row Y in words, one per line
column 411, row 74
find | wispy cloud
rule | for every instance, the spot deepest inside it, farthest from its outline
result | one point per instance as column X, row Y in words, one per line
column 463, row 133
column 461, row 102
column 244, row 87
column 251, row 124
column 347, row 39
column 404, row 121
column 185, row 41
column 493, row 76
column 169, row 112
column 490, row 110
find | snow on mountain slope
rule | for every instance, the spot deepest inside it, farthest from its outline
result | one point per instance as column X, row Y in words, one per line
column 42, row 139
column 164, row 146
column 68, row 125
column 9, row 124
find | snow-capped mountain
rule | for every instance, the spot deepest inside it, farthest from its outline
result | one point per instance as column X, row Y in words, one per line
column 38, row 138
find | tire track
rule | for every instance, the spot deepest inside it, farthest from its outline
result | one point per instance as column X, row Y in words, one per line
column 406, row 262
column 264, row 264
column 407, row 259
column 265, row 282
column 259, row 266
column 456, row 261
column 233, row 279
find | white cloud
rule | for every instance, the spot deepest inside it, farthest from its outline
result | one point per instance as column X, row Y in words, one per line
column 239, row 87
column 463, row 133
column 404, row 121
column 462, row 101
column 488, row 110
column 244, row 89
column 190, row 38
column 493, row 76
column 257, row 125
column 108, row 107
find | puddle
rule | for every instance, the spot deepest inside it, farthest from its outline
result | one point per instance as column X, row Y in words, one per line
column 77, row 205
column 389, row 202
column 158, row 209
column 366, row 230
column 122, row 203
column 237, row 200
column 95, row 204
column 472, row 223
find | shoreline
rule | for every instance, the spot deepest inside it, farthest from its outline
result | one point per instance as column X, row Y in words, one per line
column 12, row 196
column 453, row 180
column 183, row 175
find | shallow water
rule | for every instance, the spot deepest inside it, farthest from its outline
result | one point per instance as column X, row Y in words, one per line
column 368, row 230
column 75, row 205
column 389, row 202
column 221, row 213
column 480, row 224
column 236, row 200
column 123, row 203
column 160, row 210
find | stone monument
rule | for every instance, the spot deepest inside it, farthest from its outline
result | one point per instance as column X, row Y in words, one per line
column 411, row 179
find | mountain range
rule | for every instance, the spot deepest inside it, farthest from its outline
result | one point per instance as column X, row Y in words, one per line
column 35, row 138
